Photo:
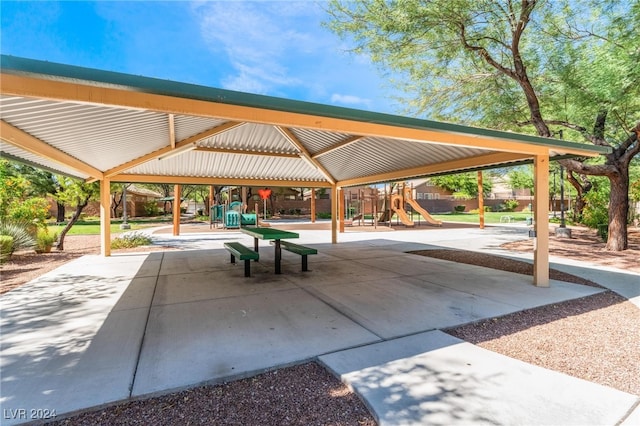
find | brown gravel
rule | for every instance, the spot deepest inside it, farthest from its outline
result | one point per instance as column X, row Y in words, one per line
column 300, row 395
column 503, row 264
column 596, row 338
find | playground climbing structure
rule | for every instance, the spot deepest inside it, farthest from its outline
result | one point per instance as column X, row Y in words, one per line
column 397, row 205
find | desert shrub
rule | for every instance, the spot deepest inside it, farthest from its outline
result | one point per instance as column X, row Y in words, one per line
column 6, row 247
column 596, row 209
column 603, row 231
column 45, row 240
column 130, row 240
column 510, row 205
column 151, row 208
column 459, row 209
column 20, row 232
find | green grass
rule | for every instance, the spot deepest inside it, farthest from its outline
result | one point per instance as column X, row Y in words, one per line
column 489, row 217
column 93, row 228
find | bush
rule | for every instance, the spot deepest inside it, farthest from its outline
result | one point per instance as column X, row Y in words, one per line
column 596, row 209
column 603, row 231
column 19, row 231
column 130, row 240
column 6, row 247
column 45, row 240
column 151, row 208
column 459, row 209
column 323, row 215
column 32, row 210
column 510, row 205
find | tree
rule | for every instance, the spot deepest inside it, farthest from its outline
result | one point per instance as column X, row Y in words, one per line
column 76, row 193
column 530, row 65
column 462, row 185
column 521, row 178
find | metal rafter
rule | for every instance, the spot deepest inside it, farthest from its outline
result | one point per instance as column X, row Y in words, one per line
column 304, row 153
column 16, row 137
column 166, row 150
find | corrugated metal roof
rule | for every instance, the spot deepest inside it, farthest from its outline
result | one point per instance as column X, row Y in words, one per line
column 251, row 137
column 187, row 125
column 229, row 166
column 14, row 153
column 112, row 133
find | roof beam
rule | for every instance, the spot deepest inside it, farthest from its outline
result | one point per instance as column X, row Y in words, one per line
column 18, row 138
column 447, row 166
column 21, row 85
column 194, row 180
column 304, row 153
column 347, row 142
column 178, row 145
column 172, row 131
column 245, row 152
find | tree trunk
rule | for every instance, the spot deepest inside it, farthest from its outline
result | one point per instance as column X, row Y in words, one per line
column 581, row 189
column 618, row 208
column 60, row 214
column 115, row 204
column 74, row 219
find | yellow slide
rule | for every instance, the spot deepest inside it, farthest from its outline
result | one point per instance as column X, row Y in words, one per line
column 396, row 205
column 425, row 214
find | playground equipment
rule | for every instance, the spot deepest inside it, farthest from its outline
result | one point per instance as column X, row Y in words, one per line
column 231, row 216
column 397, row 205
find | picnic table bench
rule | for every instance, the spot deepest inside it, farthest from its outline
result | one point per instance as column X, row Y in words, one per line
column 299, row 250
column 242, row 253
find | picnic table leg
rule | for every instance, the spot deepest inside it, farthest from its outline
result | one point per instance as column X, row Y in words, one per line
column 304, row 263
column 247, row 268
column 278, row 256
column 255, row 247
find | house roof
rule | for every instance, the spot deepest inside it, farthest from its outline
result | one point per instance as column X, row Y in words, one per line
column 96, row 124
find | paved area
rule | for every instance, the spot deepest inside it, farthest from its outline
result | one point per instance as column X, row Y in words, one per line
column 99, row 330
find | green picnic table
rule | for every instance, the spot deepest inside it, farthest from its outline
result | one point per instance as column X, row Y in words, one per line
column 271, row 234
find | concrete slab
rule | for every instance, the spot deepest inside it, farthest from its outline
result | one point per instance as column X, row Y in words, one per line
column 507, row 287
column 336, row 272
column 76, row 368
column 189, row 343
column 397, row 307
column 633, row 419
column 181, row 288
column 435, row 379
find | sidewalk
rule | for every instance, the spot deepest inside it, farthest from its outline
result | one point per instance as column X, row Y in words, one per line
column 99, row 330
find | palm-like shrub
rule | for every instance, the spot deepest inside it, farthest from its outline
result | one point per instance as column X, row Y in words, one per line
column 19, row 231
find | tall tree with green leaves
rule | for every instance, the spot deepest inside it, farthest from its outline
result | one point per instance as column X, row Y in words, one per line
column 77, row 194
column 536, row 66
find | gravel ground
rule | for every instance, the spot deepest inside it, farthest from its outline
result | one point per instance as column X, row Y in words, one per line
column 300, row 395
column 596, row 338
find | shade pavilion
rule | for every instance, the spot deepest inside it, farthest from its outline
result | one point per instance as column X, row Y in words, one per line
column 113, row 127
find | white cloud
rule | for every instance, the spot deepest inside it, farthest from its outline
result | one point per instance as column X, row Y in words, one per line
column 261, row 41
column 337, row 98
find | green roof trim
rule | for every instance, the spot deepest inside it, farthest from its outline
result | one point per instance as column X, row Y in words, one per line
column 101, row 78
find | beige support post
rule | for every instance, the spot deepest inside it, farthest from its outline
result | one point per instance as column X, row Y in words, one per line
column 480, row 199
column 541, row 217
column 244, row 199
column 176, row 209
column 105, row 217
column 334, row 214
column 341, row 209
column 313, row 205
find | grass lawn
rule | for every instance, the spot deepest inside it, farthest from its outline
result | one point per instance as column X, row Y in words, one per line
column 489, row 217
column 93, row 227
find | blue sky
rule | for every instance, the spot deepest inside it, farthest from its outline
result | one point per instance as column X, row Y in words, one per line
column 276, row 48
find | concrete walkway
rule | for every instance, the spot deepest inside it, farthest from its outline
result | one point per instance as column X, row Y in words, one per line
column 99, row 330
